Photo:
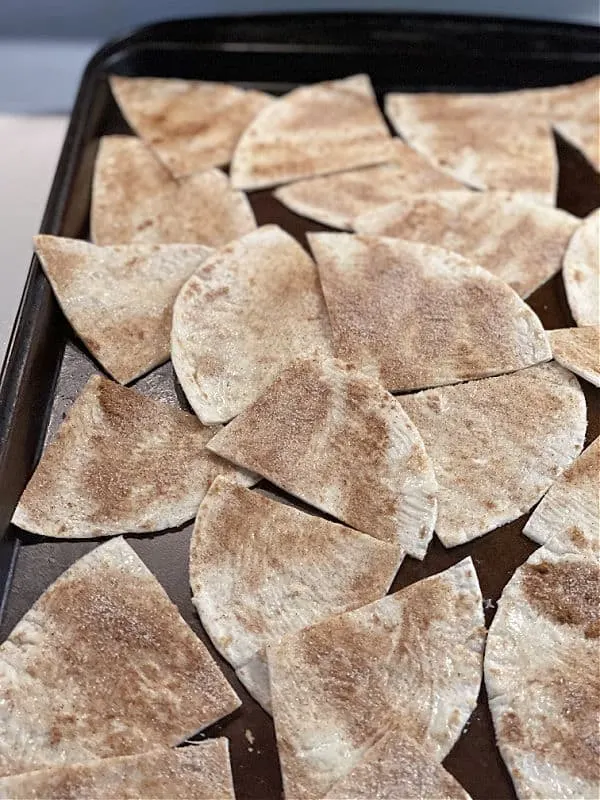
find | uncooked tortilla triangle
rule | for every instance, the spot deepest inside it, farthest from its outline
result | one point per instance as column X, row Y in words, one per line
column 397, row 768
column 260, row 569
column 578, row 349
column 120, row 463
column 479, row 143
column 521, row 243
column 337, row 440
column 336, row 200
column 415, row 315
column 542, row 677
column 498, row 444
column 135, row 200
column 248, row 312
column 313, row 130
column 190, row 125
column 103, row 665
column 201, row 771
column 119, row 299
column 568, row 516
column 581, row 271
column 411, row 660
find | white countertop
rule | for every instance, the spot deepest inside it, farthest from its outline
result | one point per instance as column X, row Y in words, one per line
column 29, row 150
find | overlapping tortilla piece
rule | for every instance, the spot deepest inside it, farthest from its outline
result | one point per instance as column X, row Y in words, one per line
column 542, row 677
column 120, row 463
column 568, row 517
column 201, row 771
column 578, row 349
column 411, row 660
column 248, row 312
column 581, row 271
column 190, row 125
column 313, row 130
column 260, row 569
column 415, row 315
column 521, row 243
column 103, row 665
column 498, row 444
column 337, row 440
column 119, row 299
column 136, row 200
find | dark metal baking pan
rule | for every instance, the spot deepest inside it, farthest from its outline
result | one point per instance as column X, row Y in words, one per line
column 273, row 53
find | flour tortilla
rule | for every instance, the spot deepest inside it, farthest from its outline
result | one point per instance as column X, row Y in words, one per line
column 411, row 660
column 336, row 200
column 578, row 349
column 581, row 271
column 119, row 299
column 135, row 200
column 313, row 130
column 190, row 125
column 103, row 665
column 337, row 440
column 479, row 143
column 568, row 517
column 542, row 678
column 414, row 315
column 250, row 310
column 397, row 767
column 521, row 243
column 261, row 569
column 120, row 463
column 201, row 771
column 498, row 444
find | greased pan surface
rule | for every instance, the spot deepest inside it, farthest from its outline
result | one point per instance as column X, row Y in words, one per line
column 410, row 53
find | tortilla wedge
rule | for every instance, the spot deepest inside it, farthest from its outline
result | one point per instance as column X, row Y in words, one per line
column 314, row 130
column 261, row 569
column 519, row 242
column 412, row 660
column 581, row 271
column 578, row 349
column 542, row 678
column 120, row 463
column 103, row 665
column 567, row 519
column 336, row 200
column 135, row 200
column 337, row 440
column 498, row 444
column 190, row 125
column 119, row 299
column 246, row 314
column 414, row 315
column 201, row 771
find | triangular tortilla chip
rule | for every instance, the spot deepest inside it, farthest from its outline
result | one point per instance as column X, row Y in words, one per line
column 201, row 771
column 250, row 310
column 542, row 676
column 190, row 125
column 578, row 349
column 135, row 200
column 581, row 271
column 411, row 660
column 568, row 517
column 415, row 316
column 120, row 463
column 394, row 768
column 519, row 242
column 119, row 299
column 336, row 200
column 479, row 143
column 103, row 665
column 313, row 130
column 261, row 569
column 498, row 444
column 337, row 440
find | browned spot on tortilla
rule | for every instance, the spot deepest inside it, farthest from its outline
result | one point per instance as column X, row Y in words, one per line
column 577, row 536
column 221, row 291
column 578, row 276
column 510, row 728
